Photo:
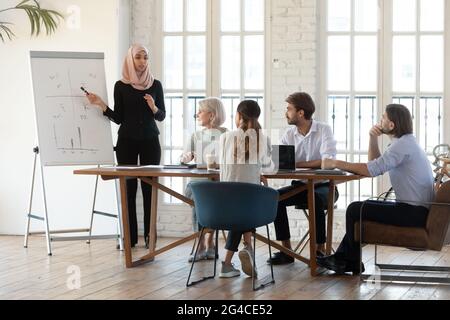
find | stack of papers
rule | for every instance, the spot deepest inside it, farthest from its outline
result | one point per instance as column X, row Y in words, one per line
column 322, row 171
column 136, row 167
column 179, row 166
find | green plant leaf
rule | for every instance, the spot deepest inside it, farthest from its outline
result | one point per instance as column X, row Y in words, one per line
column 40, row 18
column 24, row 1
column 5, row 30
column 30, row 17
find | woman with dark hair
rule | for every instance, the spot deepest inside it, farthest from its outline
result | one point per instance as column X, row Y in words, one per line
column 138, row 104
column 244, row 154
column 411, row 178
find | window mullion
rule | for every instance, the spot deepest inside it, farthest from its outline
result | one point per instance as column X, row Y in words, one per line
column 216, row 45
column 351, row 109
column 209, row 49
column 241, row 36
column 446, row 108
column 417, row 105
column 386, row 53
column 185, row 55
column 267, row 70
column 323, row 93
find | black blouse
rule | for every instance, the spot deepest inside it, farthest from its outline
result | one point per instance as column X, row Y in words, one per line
column 132, row 113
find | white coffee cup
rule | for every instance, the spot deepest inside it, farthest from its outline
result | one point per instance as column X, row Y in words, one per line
column 210, row 161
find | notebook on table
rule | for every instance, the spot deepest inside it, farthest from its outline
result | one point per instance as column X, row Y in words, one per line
column 180, row 166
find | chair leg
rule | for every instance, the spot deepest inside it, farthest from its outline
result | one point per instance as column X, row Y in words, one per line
column 272, row 280
column 361, row 278
column 378, row 278
column 306, row 214
column 224, row 235
column 216, row 253
column 254, row 262
column 270, row 254
column 193, row 246
column 302, row 242
column 389, row 278
column 376, row 256
column 305, row 237
column 193, row 262
column 195, row 242
column 304, row 246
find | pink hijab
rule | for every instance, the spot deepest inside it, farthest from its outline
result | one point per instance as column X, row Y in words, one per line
column 131, row 76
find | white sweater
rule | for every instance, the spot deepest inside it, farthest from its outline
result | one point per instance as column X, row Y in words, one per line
column 239, row 169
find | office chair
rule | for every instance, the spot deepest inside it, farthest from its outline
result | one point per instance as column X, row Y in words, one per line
column 234, row 206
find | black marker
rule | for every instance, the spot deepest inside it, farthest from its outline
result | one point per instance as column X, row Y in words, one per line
column 84, row 90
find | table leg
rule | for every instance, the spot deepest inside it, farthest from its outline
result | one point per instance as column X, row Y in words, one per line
column 330, row 215
column 153, row 216
column 312, row 228
column 125, row 222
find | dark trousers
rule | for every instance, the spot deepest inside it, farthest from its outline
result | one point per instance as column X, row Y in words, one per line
column 149, row 153
column 233, row 240
column 301, row 199
column 385, row 212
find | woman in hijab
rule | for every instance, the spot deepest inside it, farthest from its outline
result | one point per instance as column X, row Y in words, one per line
column 138, row 102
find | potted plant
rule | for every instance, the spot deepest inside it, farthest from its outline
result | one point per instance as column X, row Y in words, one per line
column 40, row 18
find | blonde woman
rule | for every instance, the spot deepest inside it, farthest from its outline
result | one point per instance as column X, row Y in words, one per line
column 210, row 116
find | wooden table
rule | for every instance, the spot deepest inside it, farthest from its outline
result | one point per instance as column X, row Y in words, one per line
column 151, row 176
column 311, row 179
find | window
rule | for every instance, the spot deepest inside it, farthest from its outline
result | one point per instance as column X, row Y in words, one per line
column 184, row 51
column 209, row 48
column 418, row 65
column 376, row 53
column 242, row 47
column 351, row 83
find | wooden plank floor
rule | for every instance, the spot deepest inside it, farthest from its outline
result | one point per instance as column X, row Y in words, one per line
column 31, row 274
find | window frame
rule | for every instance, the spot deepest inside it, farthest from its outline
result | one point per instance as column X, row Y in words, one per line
column 385, row 93
column 216, row 75
column 213, row 67
column 324, row 93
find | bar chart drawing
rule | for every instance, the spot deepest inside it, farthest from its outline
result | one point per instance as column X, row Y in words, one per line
column 70, row 130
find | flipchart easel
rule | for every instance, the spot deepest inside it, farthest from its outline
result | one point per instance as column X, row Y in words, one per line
column 49, row 234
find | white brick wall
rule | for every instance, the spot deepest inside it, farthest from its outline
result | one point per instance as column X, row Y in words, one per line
column 294, row 44
column 143, row 19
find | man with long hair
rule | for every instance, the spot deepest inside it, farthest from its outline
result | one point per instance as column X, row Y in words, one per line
column 411, row 178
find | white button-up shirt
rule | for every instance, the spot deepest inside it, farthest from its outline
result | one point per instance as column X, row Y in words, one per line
column 318, row 144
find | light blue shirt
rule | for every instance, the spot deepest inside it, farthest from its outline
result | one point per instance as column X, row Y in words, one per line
column 409, row 170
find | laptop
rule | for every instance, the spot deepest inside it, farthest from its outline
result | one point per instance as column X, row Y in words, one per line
column 283, row 156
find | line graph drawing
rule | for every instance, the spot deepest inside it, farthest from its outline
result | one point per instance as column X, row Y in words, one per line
column 70, row 130
column 78, row 110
